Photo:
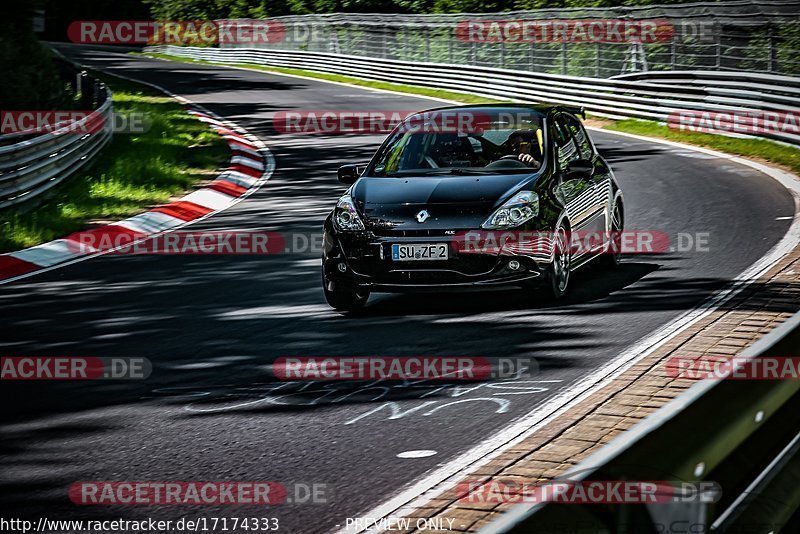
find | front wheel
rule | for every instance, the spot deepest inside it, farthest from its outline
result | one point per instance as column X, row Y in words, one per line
column 345, row 301
column 610, row 258
column 558, row 282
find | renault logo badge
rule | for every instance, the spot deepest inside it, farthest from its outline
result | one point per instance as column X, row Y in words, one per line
column 423, row 216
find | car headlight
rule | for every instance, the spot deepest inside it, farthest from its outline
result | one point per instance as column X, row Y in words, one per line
column 345, row 216
column 520, row 208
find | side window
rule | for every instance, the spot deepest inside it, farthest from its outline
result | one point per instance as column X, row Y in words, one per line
column 578, row 132
column 566, row 150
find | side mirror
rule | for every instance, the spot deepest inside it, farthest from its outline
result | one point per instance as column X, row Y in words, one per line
column 581, row 169
column 348, row 174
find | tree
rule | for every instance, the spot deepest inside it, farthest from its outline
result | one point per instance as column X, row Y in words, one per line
column 32, row 80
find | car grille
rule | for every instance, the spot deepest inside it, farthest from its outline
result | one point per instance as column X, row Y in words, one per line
column 456, row 266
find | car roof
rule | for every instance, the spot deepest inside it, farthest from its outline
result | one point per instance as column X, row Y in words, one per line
column 542, row 109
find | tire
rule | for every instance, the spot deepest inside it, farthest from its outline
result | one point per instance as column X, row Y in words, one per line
column 345, row 301
column 558, row 277
column 611, row 259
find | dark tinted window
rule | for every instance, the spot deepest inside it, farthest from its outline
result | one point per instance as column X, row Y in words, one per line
column 565, row 147
column 578, row 133
column 463, row 139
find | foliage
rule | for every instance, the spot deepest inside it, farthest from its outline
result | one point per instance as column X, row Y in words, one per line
column 188, row 9
column 32, row 80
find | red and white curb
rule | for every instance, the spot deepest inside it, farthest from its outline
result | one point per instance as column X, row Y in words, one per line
column 251, row 165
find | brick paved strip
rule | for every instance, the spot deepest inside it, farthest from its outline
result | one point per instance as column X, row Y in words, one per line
column 629, row 398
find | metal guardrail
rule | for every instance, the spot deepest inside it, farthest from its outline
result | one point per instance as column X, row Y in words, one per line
column 740, row 35
column 31, row 166
column 649, row 96
column 741, row 435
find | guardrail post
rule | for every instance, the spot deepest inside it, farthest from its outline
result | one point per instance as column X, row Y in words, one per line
column 673, row 54
column 530, row 57
column 79, row 84
column 773, row 51
column 427, row 44
column 449, row 45
column 645, row 64
column 597, row 60
column 97, row 92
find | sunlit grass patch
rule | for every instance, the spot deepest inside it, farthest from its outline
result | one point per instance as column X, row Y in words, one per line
column 133, row 173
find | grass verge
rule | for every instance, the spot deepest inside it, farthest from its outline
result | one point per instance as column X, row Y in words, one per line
column 131, row 174
column 758, row 149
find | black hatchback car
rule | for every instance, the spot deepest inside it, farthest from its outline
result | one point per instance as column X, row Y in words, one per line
column 473, row 196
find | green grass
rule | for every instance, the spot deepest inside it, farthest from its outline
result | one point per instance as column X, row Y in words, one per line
column 130, row 175
column 760, row 149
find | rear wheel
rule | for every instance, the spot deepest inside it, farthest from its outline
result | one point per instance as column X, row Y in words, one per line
column 611, row 258
column 344, row 300
column 558, row 282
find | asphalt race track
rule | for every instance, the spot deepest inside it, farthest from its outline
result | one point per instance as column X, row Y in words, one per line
column 211, row 325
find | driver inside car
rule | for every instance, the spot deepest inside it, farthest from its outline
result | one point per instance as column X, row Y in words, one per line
column 524, row 145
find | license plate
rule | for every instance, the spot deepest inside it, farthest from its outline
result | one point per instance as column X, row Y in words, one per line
column 437, row 251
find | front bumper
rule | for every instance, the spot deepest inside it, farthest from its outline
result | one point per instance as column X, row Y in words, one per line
column 363, row 262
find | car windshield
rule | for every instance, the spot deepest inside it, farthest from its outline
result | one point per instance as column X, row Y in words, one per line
column 464, row 141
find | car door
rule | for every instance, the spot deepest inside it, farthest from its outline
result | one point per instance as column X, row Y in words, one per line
column 577, row 194
column 600, row 181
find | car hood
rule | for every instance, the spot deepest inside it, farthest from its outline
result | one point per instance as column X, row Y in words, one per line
column 452, row 202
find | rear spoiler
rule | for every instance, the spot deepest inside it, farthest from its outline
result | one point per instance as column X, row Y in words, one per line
column 575, row 110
